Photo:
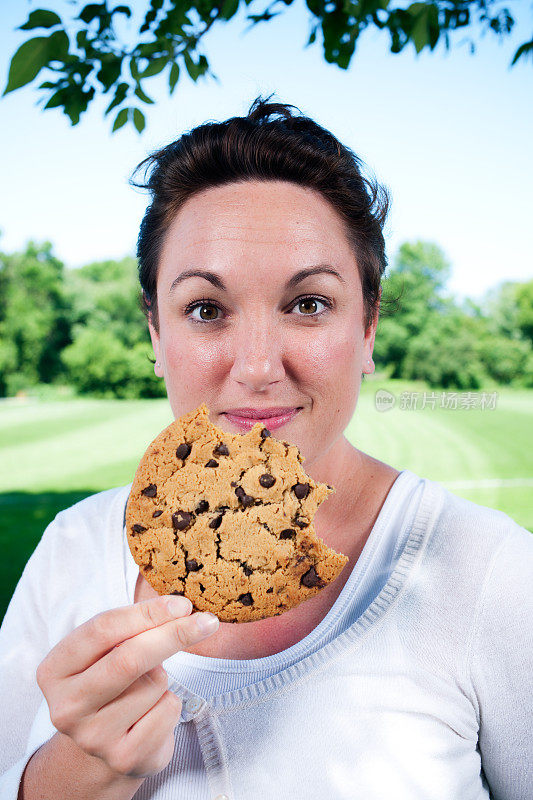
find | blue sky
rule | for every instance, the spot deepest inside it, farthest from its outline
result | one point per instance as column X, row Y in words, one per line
column 448, row 133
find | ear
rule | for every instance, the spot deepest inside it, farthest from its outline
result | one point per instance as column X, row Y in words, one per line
column 156, row 344
column 370, row 336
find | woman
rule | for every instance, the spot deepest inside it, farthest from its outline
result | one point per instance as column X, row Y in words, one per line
column 261, row 257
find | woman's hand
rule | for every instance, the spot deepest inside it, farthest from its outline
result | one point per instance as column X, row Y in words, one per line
column 106, row 689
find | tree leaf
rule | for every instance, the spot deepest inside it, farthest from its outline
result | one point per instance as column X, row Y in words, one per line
column 134, row 69
column 141, row 95
column 138, row 119
column 312, row 36
column 109, row 73
column 33, row 55
column 523, row 50
column 420, row 29
column 56, row 99
column 120, row 119
column 229, row 8
column 41, row 18
column 91, row 11
column 122, row 10
column 191, row 67
column 173, row 77
column 155, row 66
column 120, row 94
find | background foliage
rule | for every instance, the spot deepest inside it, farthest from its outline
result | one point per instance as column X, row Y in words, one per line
column 115, row 51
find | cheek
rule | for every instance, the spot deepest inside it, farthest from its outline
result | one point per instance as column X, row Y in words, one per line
column 332, row 352
column 199, row 359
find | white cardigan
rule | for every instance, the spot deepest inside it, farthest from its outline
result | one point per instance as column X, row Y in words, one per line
column 425, row 695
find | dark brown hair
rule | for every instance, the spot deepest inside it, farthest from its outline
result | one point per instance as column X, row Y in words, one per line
column 270, row 143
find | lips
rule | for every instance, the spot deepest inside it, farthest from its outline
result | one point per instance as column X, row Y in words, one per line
column 245, row 419
column 261, row 413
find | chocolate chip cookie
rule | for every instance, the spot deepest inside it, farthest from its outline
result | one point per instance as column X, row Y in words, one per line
column 226, row 520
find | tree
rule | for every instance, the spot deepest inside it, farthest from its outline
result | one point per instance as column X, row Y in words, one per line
column 34, row 318
column 413, row 291
column 510, row 309
column 111, row 349
column 91, row 53
column 445, row 353
column 103, row 366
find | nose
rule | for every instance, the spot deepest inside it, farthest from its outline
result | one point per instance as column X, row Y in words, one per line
column 258, row 351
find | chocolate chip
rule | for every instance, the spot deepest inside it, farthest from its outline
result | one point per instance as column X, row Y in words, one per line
column 288, row 533
column 233, row 483
column 202, row 588
column 301, row 490
column 157, row 513
column 246, row 569
column 269, row 591
column 150, row 491
column 246, row 599
column 192, row 564
column 245, row 499
column 311, row 579
column 265, row 433
column 183, row 451
column 202, row 506
column 138, row 528
column 221, row 450
column 181, row 520
column 176, row 592
column 267, row 480
column 215, row 523
column 212, row 463
column 302, row 523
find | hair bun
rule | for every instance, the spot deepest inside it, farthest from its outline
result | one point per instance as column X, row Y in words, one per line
column 261, row 109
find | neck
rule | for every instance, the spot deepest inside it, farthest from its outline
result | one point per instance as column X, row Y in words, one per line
column 346, row 469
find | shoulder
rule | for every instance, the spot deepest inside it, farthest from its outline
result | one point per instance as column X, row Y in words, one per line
column 472, row 526
column 473, row 583
column 99, row 512
column 81, row 560
column 461, row 542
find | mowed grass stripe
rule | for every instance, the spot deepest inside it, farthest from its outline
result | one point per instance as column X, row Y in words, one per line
column 19, row 412
column 450, row 444
column 80, row 457
column 40, row 431
column 421, row 441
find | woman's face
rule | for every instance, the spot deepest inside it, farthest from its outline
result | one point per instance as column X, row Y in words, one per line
column 260, row 342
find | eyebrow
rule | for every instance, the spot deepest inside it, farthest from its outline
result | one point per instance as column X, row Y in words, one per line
column 217, row 281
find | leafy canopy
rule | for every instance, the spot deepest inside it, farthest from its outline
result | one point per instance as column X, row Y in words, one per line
column 88, row 55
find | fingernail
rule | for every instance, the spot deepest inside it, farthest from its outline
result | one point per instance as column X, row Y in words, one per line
column 179, row 606
column 207, row 622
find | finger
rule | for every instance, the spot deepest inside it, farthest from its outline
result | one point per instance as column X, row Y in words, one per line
column 87, row 643
column 118, row 716
column 152, row 734
column 119, row 668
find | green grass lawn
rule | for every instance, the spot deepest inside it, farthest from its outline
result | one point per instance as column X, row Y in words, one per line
column 53, row 453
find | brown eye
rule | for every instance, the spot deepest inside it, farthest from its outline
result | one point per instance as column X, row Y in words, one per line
column 309, row 305
column 211, row 313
